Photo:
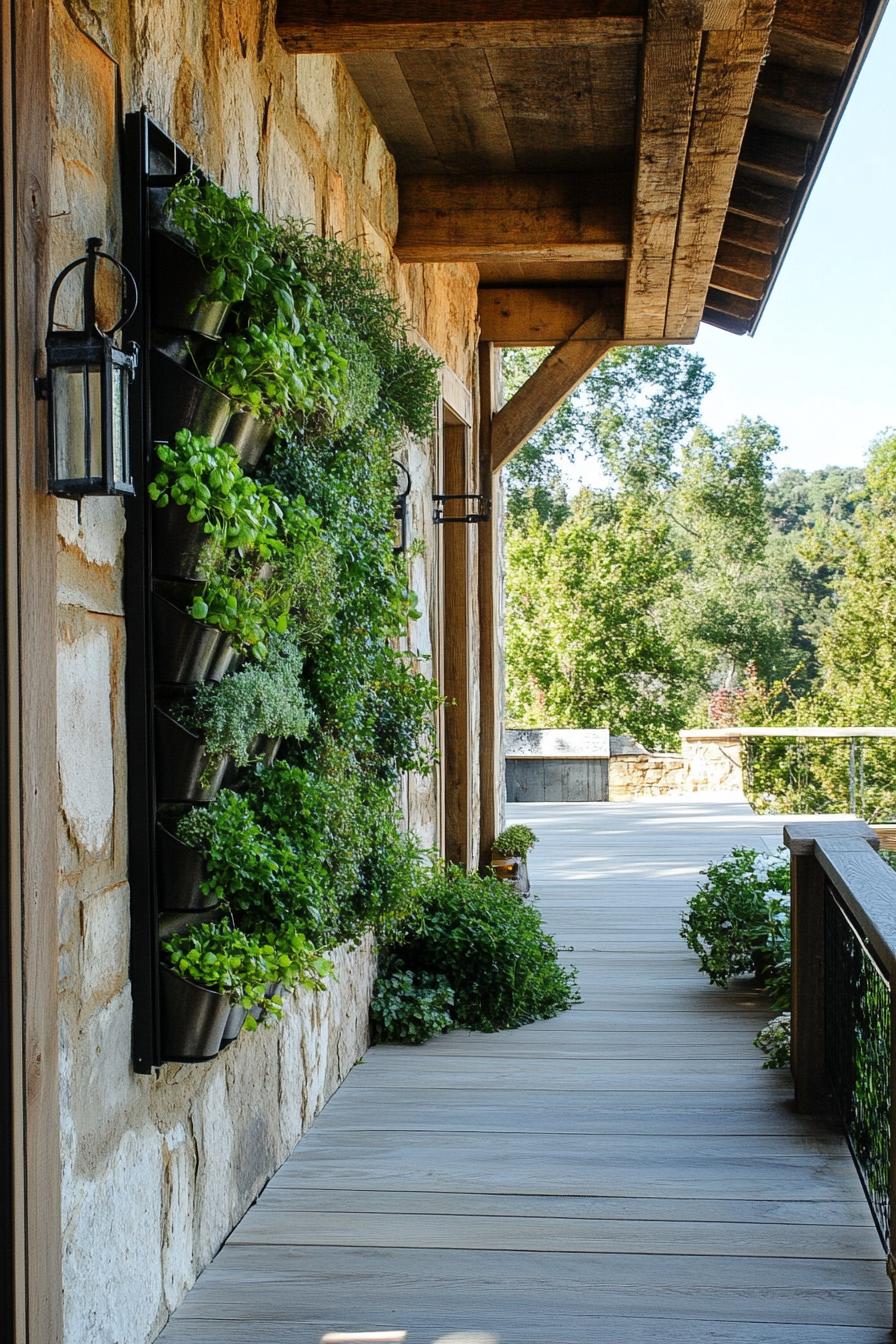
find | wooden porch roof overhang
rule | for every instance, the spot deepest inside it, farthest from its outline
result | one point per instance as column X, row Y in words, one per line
column 618, row 169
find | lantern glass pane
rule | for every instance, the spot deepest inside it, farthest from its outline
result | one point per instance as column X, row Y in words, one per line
column 95, row 445
column 120, row 473
column 70, row 423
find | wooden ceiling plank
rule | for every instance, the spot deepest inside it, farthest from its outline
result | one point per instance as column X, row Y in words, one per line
column 673, row 37
column 337, row 27
column 835, row 24
column 391, row 103
column 525, row 216
column 560, row 374
column 528, row 315
column 469, row 130
column 725, row 322
column 725, row 87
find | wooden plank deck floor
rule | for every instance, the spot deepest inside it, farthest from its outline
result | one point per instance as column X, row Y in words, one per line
column 624, row 1174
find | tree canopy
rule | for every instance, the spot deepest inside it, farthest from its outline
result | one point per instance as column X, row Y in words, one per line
column 688, row 568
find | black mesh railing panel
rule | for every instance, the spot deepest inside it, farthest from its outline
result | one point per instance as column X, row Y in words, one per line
column 857, row 1045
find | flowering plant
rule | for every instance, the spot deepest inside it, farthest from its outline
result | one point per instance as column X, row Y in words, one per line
column 738, row 923
column 774, row 1042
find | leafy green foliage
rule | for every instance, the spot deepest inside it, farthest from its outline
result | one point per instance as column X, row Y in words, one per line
column 351, row 285
column 244, row 966
column 490, row 948
column 738, row 923
column 262, row 699
column 410, row 1006
column 273, row 371
column 206, row 479
column 514, row 842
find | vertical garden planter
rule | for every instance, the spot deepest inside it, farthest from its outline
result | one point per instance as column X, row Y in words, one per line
column 234, row 1024
column 180, row 285
column 249, row 436
column 181, row 400
column 181, row 871
column 184, row 650
column 185, row 773
column 177, row 543
column 193, row 1019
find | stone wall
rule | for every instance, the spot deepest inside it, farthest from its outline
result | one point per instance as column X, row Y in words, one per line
column 706, row 764
column 646, row 774
column 157, row 1170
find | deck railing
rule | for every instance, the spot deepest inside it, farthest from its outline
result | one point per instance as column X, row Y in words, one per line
column 844, row 978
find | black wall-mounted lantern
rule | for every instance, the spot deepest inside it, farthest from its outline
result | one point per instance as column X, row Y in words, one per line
column 402, row 490
column 86, row 388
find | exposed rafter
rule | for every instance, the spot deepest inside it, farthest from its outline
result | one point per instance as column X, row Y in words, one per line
column 341, row 26
column 521, row 215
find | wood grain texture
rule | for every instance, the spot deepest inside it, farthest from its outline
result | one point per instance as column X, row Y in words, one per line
column 544, row 315
column 729, row 70
column 34, row 658
column 670, row 61
column 637, row 1190
column 487, row 401
column 518, row 215
column 337, row 26
column 457, row 611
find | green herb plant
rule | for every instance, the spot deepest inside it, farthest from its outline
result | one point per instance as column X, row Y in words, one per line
column 410, row 1006
column 260, row 700
column 514, row 842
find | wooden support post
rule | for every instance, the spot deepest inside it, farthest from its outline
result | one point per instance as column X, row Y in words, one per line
column 807, row 918
column 807, row 1060
column 457, row 543
column 489, row 691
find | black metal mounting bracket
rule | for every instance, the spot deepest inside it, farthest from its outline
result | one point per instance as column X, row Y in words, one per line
column 482, row 514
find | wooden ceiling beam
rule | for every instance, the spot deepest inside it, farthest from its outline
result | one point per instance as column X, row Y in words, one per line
column 520, row 216
column 549, row 315
column 336, row 27
column 565, row 367
column 671, row 57
column 726, row 83
column 734, row 305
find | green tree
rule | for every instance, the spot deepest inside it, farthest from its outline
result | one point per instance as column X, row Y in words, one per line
column 584, row 645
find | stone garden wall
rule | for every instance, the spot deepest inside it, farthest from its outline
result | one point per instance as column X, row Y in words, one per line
column 157, row 1170
column 704, row 765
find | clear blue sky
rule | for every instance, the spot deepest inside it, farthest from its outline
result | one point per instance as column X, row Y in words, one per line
column 822, row 366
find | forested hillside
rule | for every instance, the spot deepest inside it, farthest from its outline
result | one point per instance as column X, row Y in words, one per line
column 693, row 583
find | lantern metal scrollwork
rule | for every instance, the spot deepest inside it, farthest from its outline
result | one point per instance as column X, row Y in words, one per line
column 86, row 388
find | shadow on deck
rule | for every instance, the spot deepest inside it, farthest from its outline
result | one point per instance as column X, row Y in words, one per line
column 622, row 1174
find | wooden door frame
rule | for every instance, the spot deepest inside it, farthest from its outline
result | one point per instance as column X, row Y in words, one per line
column 29, row 884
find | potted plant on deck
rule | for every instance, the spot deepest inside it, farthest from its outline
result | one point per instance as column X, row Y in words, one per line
column 510, row 851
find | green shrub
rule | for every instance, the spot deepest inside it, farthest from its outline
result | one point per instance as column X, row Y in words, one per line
column 514, row 842
column 491, row 949
column 738, row 922
column 410, row 1006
